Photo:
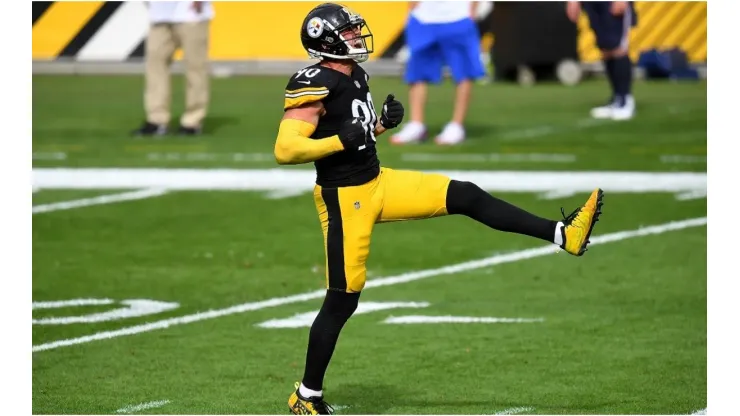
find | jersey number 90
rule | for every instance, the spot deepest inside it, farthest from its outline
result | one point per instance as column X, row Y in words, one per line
column 365, row 111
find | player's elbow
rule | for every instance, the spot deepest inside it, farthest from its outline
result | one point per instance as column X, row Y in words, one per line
column 285, row 155
column 282, row 157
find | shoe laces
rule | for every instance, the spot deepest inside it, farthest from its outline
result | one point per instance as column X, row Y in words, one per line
column 567, row 219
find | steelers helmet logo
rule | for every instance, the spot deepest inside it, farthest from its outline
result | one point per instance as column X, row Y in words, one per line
column 315, row 27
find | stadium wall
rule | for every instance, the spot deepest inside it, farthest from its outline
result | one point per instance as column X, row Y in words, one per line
column 114, row 31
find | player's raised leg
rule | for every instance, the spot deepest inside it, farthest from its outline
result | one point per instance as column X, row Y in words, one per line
column 571, row 233
column 415, row 195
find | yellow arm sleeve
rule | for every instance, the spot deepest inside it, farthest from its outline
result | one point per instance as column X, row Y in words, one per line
column 294, row 145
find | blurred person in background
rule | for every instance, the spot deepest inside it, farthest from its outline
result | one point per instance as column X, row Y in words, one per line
column 611, row 22
column 440, row 33
column 174, row 24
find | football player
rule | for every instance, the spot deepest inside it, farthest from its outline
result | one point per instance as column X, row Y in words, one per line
column 330, row 119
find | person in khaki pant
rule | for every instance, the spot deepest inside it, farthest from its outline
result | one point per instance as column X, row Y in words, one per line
column 183, row 24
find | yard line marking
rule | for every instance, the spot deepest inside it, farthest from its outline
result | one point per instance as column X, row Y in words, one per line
column 384, row 281
column 528, row 133
column 203, row 156
column 69, row 303
column 306, row 319
column 691, row 195
column 133, row 308
column 683, row 159
column 556, row 195
column 279, row 179
column 142, row 406
column 546, row 130
column 99, row 200
column 489, row 157
column 285, row 193
column 421, row 319
column 515, row 411
column 49, row 156
column 700, row 412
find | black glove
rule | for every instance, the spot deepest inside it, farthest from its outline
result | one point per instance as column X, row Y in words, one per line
column 392, row 114
column 352, row 135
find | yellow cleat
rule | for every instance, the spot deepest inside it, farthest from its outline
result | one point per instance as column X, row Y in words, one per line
column 578, row 225
column 313, row 406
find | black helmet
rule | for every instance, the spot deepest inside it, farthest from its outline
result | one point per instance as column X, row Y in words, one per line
column 321, row 33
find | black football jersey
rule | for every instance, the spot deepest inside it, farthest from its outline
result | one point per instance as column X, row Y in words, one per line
column 344, row 97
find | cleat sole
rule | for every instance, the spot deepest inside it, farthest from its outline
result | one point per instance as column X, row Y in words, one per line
column 594, row 220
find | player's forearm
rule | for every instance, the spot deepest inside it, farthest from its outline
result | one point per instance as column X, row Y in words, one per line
column 294, row 145
column 379, row 129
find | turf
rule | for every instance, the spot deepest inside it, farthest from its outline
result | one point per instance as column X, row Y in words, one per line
column 89, row 118
column 623, row 329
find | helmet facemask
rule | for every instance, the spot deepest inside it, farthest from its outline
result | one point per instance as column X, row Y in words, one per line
column 358, row 39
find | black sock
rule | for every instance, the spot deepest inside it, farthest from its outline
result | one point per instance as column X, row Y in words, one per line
column 622, row 76
column 609, row 66
column 468, row 199
column 334, row 313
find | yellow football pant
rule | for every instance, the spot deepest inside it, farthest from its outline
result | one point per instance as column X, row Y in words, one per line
column 348, row 215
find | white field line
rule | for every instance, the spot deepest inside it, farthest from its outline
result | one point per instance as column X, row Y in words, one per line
column 70, row 303
column 695, row 159
column 489, row 157
column 384, row 281
column 530, row 132
column 546, row 130
column 700, row 412
column 306, row 319
column 142, row 406
column 582, row 124
column 690, row 195
column 294, row 180
column 133, row 308
column 556, row 195
column 211, row 157
column 49, row 156
column 515, row 411
column 421, row 319
column 99, row 200
column 285, row 193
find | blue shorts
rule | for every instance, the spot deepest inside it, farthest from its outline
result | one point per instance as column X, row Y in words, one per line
column 431, row 46
column 612, row 32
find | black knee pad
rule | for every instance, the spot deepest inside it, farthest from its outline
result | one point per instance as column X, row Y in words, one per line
column 463, row 196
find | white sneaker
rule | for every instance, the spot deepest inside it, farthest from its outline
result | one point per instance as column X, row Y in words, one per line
column 452, row 134
column 603, row 112
column 625, row 111
column 412, row 132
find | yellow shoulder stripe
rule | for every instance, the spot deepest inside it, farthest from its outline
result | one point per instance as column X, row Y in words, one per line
column 293, row 102
column 307, row 89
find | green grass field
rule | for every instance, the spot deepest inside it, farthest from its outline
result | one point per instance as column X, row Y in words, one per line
column 622, row 330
